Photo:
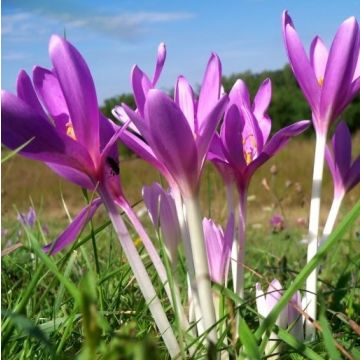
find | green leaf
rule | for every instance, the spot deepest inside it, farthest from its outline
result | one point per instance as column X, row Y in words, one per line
column 248, row 339
column 329, row 341
column 14, row 152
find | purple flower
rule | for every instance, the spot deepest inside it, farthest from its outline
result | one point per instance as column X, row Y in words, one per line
column 162, row 211
column 27, row 219
column 165, row 125
column 243, row 144
column 218, row 248
column 277, row 222
column 328, row 79
column 59, row 112
column 345, row 173
column 290, row 315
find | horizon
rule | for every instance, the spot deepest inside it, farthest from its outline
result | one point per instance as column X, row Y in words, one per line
column 133, row 31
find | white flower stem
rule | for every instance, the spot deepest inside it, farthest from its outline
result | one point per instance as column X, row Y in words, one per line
column 194, row 308
column 330, row 221
column 315, row 203
column 241, row 244
column 201, row 268
column 141, row 275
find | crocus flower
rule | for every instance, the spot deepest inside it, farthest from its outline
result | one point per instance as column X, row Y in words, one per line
column 218, row 248
column 290, row 317
column 58, row 112
column 165, row 125
column 329, row 79
column 345, row 173
column 243, row 146
column 66, row 131
column 27, row 219
column 243, row 143
column 162, row 211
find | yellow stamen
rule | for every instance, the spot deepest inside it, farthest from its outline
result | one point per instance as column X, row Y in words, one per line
column 320, row 81
column 70, row 130
column 137, row 242
column 248, row 157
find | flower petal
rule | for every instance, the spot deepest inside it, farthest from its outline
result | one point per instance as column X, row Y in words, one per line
column 300, row 64
column 239, row 94
column 72, row 175
column 210, row 88
column 208, row 129
column 141, row 86
column 160, row 60
column 318, row 58
column 232, row 139
column 20, row 123
column 341, row 142
column 276, row 143
column 184, row 98
column 340, row 68
column 353, row 177
column 260, row 107
column 25, row 92
column 70, row 234
column 151, row 195
column 171, row 139
column 79, row 92
column 48, row 89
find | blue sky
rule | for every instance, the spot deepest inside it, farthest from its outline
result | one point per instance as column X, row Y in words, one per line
column 114, row 35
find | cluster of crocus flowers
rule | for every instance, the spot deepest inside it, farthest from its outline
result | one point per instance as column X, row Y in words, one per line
column 329, row 80
column 55, row 114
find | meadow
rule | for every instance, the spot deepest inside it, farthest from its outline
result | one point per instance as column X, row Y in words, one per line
column 84, row 302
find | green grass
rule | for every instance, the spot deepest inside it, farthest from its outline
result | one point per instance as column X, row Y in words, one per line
column 72, row 306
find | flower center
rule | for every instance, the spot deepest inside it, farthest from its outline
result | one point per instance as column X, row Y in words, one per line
column 320, row 81
column 250, row 148
column 70, row 130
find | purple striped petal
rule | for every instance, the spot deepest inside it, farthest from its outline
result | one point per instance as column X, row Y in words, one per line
column 184, row 98
column 79, row 92
column 70, row 234
column 210, row 88
column 160, row 60
column 141, row 86
column 139, row 121
column 318, row 58
column 25, row 91
column 172, row 140
column 49, row 91
column 340, row 68
column 20, row 123
column 300, row 64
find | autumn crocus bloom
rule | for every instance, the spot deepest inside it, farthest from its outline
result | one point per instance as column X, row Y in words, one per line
column 28, row 219
column 345, row 173
column 218, row 248
column 289, row 318
column 78, row 143
column 162, row 211
column 329, row 79
column 243, row 146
